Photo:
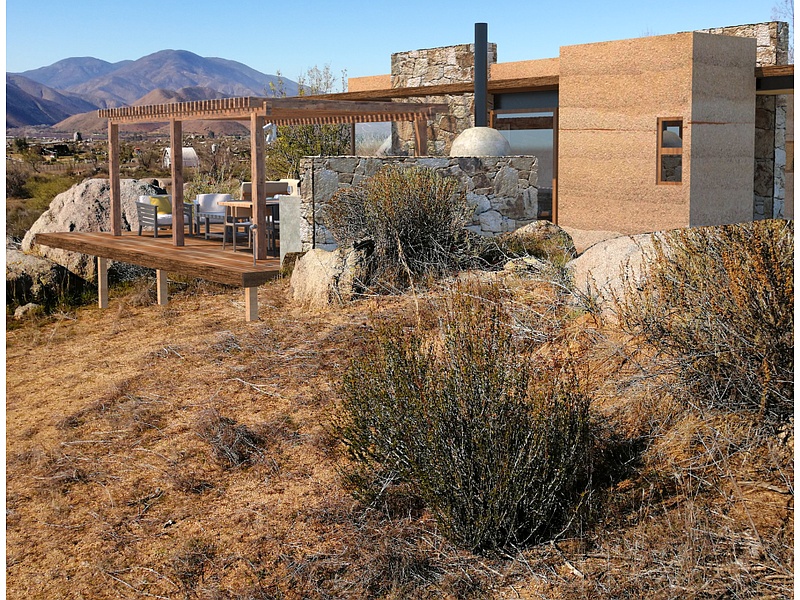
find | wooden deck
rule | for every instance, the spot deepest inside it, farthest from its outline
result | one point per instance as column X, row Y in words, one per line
column 198, row 257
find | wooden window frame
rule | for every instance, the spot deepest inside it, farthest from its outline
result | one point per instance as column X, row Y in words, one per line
column 663, row 123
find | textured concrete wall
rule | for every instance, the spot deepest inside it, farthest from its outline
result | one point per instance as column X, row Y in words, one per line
column 502, row 190
column 437, row 66
column 769, row 184
column 610, row 97
column 722, row 129
column 544, row 67
column 372, row 82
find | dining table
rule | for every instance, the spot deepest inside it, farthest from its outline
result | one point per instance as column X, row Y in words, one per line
column 241, row 209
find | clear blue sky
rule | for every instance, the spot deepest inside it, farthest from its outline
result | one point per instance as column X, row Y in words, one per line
column 359, row 36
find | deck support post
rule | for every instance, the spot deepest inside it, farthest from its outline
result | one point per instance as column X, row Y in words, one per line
column 176, row 162
column 113, row 177
column 258, row 177
column 161, row 287
column 102, row 282
column 421, row 135
column 251, row 304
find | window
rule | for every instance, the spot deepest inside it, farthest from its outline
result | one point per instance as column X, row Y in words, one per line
column 670, row 151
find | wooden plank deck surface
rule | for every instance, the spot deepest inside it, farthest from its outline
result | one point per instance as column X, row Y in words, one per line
column 199, row 257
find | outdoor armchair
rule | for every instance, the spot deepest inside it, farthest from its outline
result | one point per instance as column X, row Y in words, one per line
column 208, row 209
column 155, row 212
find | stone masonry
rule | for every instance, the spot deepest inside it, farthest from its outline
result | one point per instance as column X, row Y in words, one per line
column 437, row 66
column 502, row 190
column 769, row 185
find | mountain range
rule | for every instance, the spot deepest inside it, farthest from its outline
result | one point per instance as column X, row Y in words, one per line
column 67, row 94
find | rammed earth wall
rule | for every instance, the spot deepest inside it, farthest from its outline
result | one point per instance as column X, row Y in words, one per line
column 769, row 185
column 502, row 190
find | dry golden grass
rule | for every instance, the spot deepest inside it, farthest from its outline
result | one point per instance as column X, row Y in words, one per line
column 179, row 452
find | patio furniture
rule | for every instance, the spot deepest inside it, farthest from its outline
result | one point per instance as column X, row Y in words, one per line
column 209, row 209
column 156, row 212
column 238, row 214
column 273, row 190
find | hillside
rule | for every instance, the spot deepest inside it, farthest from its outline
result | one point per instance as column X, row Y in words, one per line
column 90, row 123
column 68, row 92
column 31, row 103
column 177, row 451
column 173, row 70
column 72, row 71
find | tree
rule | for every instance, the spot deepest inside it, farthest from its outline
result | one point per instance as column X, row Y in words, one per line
column 21, row 145
column 296, row 141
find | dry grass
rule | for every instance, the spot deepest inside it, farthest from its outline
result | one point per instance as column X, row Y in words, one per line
column 121, row 426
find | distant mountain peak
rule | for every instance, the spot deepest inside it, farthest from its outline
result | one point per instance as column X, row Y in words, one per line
column 162, row 76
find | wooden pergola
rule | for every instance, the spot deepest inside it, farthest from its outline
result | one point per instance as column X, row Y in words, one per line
column 257, row 111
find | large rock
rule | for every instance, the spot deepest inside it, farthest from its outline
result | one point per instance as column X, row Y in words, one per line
column 86, row 207
column 34, row 279
column 480, row 141
column 602, row 269
column 586, row 238
column 321, row 278
column 547, row 238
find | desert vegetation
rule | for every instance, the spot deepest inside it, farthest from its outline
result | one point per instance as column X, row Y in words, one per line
column 488, row 434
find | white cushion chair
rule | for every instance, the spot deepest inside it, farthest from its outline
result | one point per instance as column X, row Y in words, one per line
column 156, row 212
column 207, row 209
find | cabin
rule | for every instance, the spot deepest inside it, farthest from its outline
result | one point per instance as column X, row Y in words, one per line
column 638, row 135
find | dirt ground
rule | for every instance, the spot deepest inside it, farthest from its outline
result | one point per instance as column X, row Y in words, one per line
column 179, row 452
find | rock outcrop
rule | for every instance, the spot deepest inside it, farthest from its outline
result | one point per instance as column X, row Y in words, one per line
column 35, row 279
column 321, row 278
column 602, row 269
column 86, row 207
column 544, row 236
column 585, row 239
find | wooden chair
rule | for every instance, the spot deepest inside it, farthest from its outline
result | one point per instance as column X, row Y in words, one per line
column 234, row 223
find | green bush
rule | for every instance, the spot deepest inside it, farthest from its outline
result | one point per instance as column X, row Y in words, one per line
column 37, row 192
column 715, row 307
column 415, row 217
column 495, row 443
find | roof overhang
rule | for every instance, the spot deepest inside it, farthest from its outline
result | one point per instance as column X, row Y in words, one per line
column 775, row 80
column 778, row 79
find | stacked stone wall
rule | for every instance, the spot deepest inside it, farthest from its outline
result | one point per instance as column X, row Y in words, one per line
column 437, row 66
column 502, row 190
column 769, row 184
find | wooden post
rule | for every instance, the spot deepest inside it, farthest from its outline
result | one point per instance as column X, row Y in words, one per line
column 161, row 287
column 113, row 176
column 176, row 162
column 421, row 135
column 102, row 282
column 352, row 139
column 251, row 304
column 257, row 175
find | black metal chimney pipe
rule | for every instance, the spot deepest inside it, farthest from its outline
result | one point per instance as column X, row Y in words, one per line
column 481, row 74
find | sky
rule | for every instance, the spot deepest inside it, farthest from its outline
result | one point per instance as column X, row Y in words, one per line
column 356, row 36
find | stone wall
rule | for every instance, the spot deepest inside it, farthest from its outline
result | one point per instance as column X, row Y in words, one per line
column 769, row 185
column 437, row 66
column 502, row 190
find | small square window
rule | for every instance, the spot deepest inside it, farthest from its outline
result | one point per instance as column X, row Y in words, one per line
column 669, row 151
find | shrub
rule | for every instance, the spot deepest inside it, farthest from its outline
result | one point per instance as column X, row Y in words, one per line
column 415, row 217
column 494, row 443
column 16, row 179
column 715, row 306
